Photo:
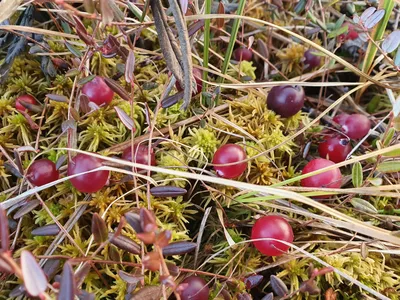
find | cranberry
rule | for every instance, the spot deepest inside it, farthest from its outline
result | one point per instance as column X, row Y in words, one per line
column 311, row 60
column 42, row 171
column 230, row 153
column 141, row 155
column 355, row 126
column 330, row 179
column 273, row 227
column 25, row 98
column 242, row 53
column 196, row 289
column 286, row 100
column 335, row 149
column 90, row 182
column 351, row 34
column 197, row 74
column 98, row 91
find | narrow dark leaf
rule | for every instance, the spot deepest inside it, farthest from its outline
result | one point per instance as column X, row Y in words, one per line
column 4, row 231
column 178, row 248
column 74, row 114
column 83, row 295
column 30, row 121
column 117, row 88
column 84, row 103
column 27, row 208
column 269, row 296
column 148, row 293
column 367, row 13
column 163, row 238
column 171, row 100
column 311, row 287
column 130, row 67
column 50, row 268
column 47, row 230
column 374, row 19
column 10, row 168
column 18, row 162
column 391, row 42
column 48, row 67
column 28, row 148
column 196, row 26
column 130, row 278
column 18, row 291
column 278, row 286
column 133, row 219
column 125, row 119
column 167, row 191
column 124, row 243
column 67, row 283
column 31, row 107
column 99, row 229
column 58, row 98
column 35, row 49
column 60, row 161
column 147, row 220
column 82, row 33
column 34, row 278
column 252, row 281
column 244, row 296
column 87, row 79
column 81, row 274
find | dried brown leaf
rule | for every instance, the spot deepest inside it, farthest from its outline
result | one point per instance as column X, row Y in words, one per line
column 147, row 237
column 107, row 15
column 151, row 261
column 220, row 11
column 147, row 220
column 99, row 229
column 113, row 253
column 117, row 88
column 130, row 67
column 4, row 231
column 47, row 230
column 163, row 238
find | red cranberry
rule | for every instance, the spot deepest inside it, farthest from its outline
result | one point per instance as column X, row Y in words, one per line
column 351, row 34
column 273, row 227
column 25, row 98
column 141, row 154
column 197, row 74
column 242, row 53
column 196, row 289
column 90, row 182
column 286, row 100
column 42, row 171
column 230, row 153
column 311, row 60
column 355, row 126
column 328, row 179
column 335, row 149
column 98, row 91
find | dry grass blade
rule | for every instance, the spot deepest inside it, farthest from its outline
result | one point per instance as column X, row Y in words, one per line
column 8, row 8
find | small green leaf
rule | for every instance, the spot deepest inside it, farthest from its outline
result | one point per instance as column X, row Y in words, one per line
column 363, row 205
column 392, row 153
column 73, row 50
column 389, row 137
column 72, row 73
column 389, row 167
column 375, row 181
column 339, row 22
column 85, row 80
column 357, row 174
column 338, row 32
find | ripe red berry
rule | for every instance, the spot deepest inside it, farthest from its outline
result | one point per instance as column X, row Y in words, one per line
column 90, row 182
column 351, row 34
column 42, row 171
column 286, row 100
column 25, row 98
column 197, row 74
column 355, row 126
column 273, row 227
column 98, row 91
column 311, row 60
column 242, row 53
column 140, row 154
column 328, row 179
column 335, row 149
column 230, row 153
column 196, row 289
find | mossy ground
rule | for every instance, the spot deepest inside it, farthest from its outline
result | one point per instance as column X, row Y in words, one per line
column 245, row 119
